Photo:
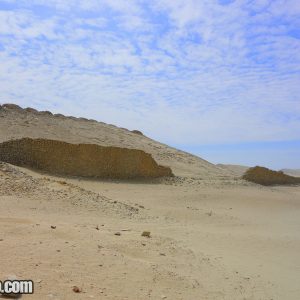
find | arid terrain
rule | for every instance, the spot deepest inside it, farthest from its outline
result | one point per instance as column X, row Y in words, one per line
column 292, row 172
column 212, row 234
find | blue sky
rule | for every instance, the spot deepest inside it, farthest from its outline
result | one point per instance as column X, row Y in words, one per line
column 218, row 78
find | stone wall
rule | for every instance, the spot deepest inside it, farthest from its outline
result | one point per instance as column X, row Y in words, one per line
column 86, row 160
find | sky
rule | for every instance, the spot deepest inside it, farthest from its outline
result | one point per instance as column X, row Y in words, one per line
column 218, row 78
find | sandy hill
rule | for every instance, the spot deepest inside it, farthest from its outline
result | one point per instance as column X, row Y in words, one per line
column 17, row 123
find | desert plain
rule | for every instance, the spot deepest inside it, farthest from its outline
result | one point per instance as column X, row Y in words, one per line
column 212, row 234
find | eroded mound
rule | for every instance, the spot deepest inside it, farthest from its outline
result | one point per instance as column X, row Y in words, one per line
column 86, row 160
column 266, row 176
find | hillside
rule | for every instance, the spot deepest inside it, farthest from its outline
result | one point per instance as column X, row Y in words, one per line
column 292, row 172
column 17, row 123
column 237, row 170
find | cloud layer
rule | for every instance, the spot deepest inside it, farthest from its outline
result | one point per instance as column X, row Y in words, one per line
column 185, row 72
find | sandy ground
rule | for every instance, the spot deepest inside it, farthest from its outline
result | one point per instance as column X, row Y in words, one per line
column 209, row 239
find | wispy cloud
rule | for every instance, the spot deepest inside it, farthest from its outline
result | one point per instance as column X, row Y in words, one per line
column 185, row 72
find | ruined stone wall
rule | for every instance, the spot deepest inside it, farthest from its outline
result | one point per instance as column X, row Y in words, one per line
column 86, row 160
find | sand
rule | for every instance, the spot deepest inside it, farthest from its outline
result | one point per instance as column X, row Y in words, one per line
column 213, row 235
column 208, row 240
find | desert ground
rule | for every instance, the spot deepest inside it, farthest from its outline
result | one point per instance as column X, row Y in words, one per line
column 212, row 234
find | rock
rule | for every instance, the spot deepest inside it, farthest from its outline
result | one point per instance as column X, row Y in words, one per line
column 31, row 110
column 59, row 115
column 137, row 132
column 53, row 227
column 76, row 289
column 146, row 234
column 118, row 233
column 11, row 106
column 46, row 112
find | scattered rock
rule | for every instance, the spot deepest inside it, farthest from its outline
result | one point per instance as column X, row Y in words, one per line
column 76, row 289
column 62, row 182
column 146, row 234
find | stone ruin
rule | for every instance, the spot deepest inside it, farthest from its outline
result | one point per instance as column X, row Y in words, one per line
column 86, row 160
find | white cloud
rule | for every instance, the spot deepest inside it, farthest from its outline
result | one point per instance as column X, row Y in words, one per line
column 182, row 71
